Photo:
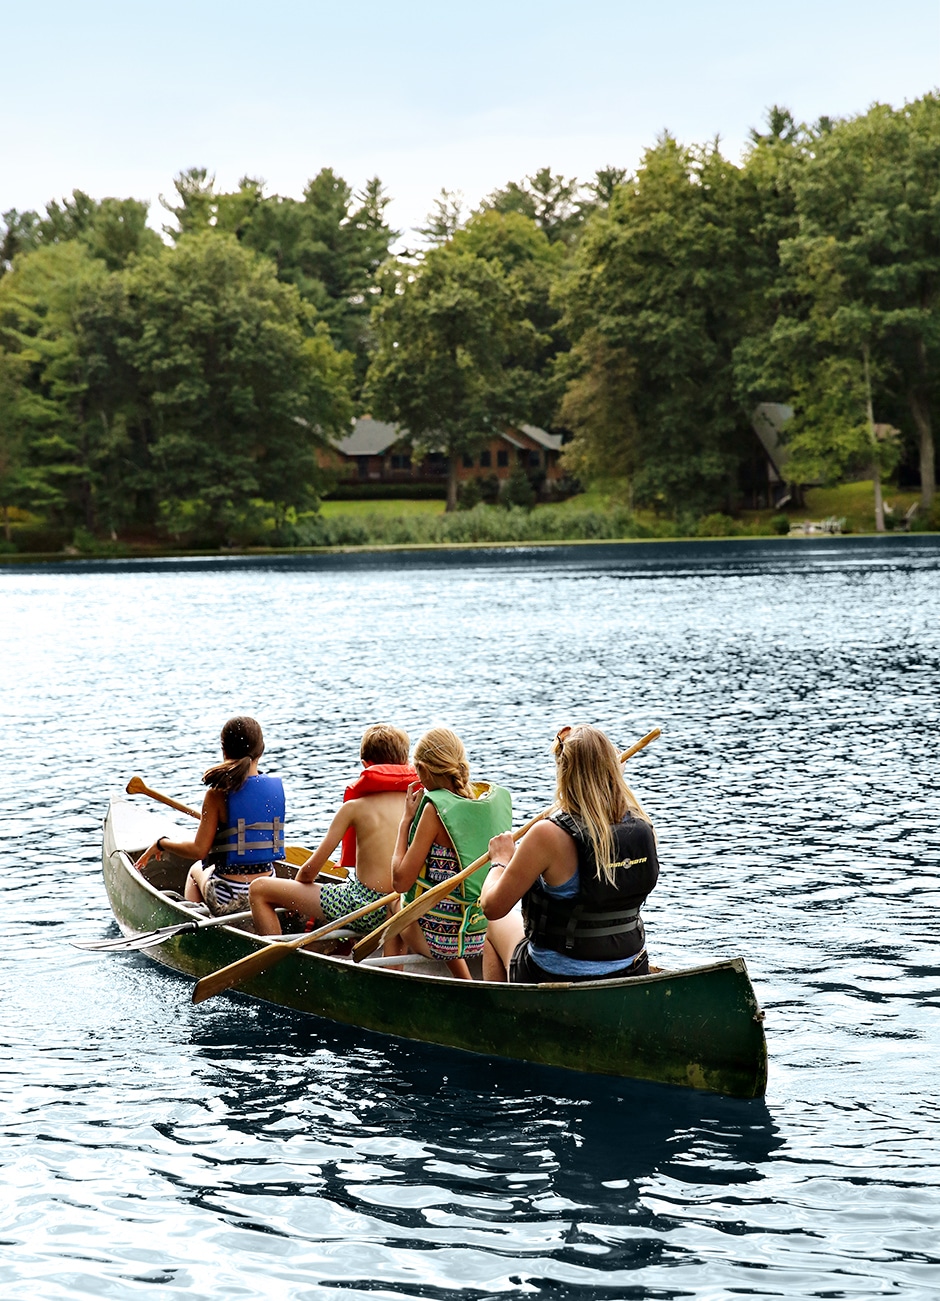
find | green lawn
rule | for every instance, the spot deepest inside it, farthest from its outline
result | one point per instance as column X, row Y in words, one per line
column 855, row 502
column 382, row 506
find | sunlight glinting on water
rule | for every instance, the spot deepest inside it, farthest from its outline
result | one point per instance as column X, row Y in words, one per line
column 153, row 1148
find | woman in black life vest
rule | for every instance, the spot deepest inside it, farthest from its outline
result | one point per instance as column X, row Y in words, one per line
column 582, row 876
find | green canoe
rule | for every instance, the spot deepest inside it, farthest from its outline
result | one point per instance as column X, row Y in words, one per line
column 700, row 1028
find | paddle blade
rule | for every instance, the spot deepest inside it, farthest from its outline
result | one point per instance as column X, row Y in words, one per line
column 297, row 855
column 136, row 786
column 236, row 973
column 131, row 943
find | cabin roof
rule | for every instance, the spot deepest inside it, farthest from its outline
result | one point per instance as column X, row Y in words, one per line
column 552, row 442
column 368, row 437
column 767, row 420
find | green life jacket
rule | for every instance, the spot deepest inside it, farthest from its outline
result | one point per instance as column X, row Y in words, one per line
column 471, row 825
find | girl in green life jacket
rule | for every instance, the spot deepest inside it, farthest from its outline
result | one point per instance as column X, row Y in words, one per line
column 446, row 825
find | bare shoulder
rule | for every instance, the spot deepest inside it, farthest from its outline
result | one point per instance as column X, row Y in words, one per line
column 214, row 802
column 547, row 835
column 430, row 829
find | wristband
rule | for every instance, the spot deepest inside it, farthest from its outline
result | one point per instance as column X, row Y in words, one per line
column 159, row 844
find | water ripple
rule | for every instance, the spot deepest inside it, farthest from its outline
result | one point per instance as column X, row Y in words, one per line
column 153, row 1148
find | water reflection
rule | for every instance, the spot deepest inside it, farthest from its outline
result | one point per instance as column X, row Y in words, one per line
column 239, row 1150
column 439, row 1151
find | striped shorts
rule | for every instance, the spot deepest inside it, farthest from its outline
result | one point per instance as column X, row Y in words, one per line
column 224, row 896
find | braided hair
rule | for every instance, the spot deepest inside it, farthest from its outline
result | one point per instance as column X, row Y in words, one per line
column 441, row 752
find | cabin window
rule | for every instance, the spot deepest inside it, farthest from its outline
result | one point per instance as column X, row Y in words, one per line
column 401, row 462
column 467, row 462
column 486, row 459
column 502, row 458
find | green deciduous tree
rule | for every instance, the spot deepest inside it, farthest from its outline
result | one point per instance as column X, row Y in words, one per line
column 241, row 387
column 329, row 244
column 111, row 229
column 858, row 293
column 657, row 299
column 450, row 332
column 531, row 265
column 18, row 234
column 41, row 306
column 16, row 488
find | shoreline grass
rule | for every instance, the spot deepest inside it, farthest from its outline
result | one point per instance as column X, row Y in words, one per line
column 592, row 516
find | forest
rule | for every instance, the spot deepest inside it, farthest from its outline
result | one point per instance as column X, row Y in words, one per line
column 182, row 384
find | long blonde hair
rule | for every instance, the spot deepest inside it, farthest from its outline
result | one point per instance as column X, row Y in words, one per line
column 592, row 789
column 441, row 753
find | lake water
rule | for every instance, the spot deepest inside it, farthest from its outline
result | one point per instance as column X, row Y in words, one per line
column 149, row 1148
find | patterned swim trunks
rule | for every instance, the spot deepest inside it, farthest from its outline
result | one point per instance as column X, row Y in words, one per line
column 338, row 900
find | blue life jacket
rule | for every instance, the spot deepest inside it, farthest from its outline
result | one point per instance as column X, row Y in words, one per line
column 255, row 825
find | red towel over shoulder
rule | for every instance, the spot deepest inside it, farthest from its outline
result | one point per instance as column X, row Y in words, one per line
column 375, row 779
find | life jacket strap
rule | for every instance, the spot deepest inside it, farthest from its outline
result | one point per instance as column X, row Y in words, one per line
column 581, row 925
column 236, row 838
column 421, row 886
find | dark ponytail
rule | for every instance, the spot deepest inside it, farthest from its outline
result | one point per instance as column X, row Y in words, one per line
column 241, row 743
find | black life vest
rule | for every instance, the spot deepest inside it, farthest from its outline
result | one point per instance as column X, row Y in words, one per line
column 602, row 922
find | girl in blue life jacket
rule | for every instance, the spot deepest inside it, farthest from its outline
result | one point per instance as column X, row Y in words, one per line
column 447, row 824
column 241, row 830
column 582, row 876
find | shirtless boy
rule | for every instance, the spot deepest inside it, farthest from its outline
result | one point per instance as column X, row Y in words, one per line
column 373, row 818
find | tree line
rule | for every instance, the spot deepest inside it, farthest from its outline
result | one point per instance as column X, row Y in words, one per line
column 186, row 383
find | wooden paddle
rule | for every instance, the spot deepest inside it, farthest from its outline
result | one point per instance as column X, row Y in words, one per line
column 296, row 855
column 428, row 898
column 236, row 973
column 137, row 786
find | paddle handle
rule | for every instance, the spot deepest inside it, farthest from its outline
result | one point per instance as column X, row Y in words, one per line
column 643, row 742
column 137, row 786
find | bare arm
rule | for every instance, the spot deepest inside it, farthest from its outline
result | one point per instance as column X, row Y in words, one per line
column 213, row 810
column 307, row 872
column 545, row 851
column 408, row 860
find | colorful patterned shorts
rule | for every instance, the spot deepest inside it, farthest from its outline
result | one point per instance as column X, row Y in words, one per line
column 338, row 900
column 441, row 926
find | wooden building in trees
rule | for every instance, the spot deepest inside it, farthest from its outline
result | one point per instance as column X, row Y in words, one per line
column 375, row 452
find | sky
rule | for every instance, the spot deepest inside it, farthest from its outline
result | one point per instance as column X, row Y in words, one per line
column 118, row 98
